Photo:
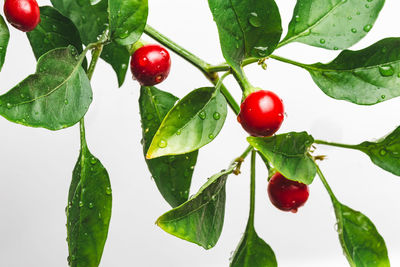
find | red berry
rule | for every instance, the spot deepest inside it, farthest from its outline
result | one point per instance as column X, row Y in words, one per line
column 22, row 14
column 150, row 64
column 285, row 194
column 261, row 113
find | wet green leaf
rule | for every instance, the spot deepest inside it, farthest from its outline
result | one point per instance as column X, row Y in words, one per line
column 332, row 24
column 192, row 123
column 4, row 38
column 361, row 242
column 55, row 97
column 172, row 174
column 288, row 153
column 386, row 152
column 246, row 28
column 253, row 251
column 88, row 211
column 363, row 77
column 53, row 31
column 118, row 57
column 127, row 20
column 200, row 219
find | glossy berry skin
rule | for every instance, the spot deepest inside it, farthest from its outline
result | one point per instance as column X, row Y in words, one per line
column 22, row 14
column 285, row 194
column 261, row 113
column 150, row 64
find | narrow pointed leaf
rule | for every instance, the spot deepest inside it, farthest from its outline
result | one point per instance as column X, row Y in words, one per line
column 361, row 242
column 192, row 123
column 4, row 38
column 92, row 20
column 127, row 20
column 55, row 97
column 288, row 153
column 332, row 24
column 363, row 77
column 88, row 211
column 53, row 31
column 200, row 219
column 385, row 153
column 246, row 28
column 253, row 251
column 172, row 174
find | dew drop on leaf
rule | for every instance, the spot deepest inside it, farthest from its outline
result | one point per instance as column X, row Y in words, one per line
column 9, row 105
column 386, row 70
column 93, row 160
column 254, row 20
column 108, row 190
column 211, row 136
column 179, row 132
column 354, row 30
column 382, row 152
column 322, row 41
column 260, row 51
column 367, row 27
column 91, row 205
column 202, row 115
column 216, row 116
column 162, row 144
column 80, row 204
column 297, row 18
column 66, row 101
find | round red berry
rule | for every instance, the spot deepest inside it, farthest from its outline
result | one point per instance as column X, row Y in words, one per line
column 285, row 194
column 22, row 14
column 261, row 113
column 150, row 64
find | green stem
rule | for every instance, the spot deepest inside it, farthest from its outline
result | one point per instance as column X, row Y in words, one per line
column 328, row 188
column 195, row 61
column 289, row 61
column 321, row 142
column 252, row 188
column 246, row 152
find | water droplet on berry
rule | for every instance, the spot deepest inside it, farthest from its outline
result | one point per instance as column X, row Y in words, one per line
column 386, row 70
column 159, row 78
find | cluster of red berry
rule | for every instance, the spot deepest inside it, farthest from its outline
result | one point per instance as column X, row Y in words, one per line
column 261, row 114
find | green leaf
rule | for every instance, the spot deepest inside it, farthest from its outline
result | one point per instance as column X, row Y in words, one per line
column 385, row 153
column 127, row 20
column 246, row 28
column 288, row 153
column 118, row 57
column 55, row 97
column 253, row 251
column 361, row 242
column 363, row 77
column 53, row 31
column 192, row 123
column 4, row 37
column 200, row 219
column 332, row 24
column 92, row 21
column 88, row 211
column 172, row 174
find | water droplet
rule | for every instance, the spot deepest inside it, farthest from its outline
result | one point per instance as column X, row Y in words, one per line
column 149, row 117
column 322, row 41
column 124, row 34
column 202, row 115
column 383, row 96
column 66, row 101
column 297, row 18
column 353, row 30
column 366, row 5
column 80, row 204
column 386, row 70
column 209, row 246
column 162, row 144
column 367, row 27
column 93, row 160
column 254, row 20
column 124, row 66
column 261, row 51
column 358, row 13
column 179, row 132
column 159, row 78
column 336, row 48
column 382, row 152
column 349, row 17
column 9, row 105
column 91, row 205
column 211, row 136
column 108, row 190
column 216, row 116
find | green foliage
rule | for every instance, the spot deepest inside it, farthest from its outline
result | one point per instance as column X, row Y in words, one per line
column 363, row 77
column 172, row 174
column 246, row 28
column 4, row 37
column 288, row 153
column 192, row 123
column 332, row 24
column 55, row 97
column 88, row 210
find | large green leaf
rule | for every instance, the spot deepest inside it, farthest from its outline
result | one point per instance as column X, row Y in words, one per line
column 386, row 152
column 4, row 37
column 172, row 174
column 200, row 219
column 88, row 211
column 362, row 244
column 55, row 97
column 92, row 21
column 288, row 153
column 53, row 31
column 253, row 251
column 127, row 20
column 192, row 123
column 246, row 28
column 363, row 77
column 332, row 24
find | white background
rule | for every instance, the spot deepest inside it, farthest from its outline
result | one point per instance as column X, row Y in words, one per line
column 36, row 164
